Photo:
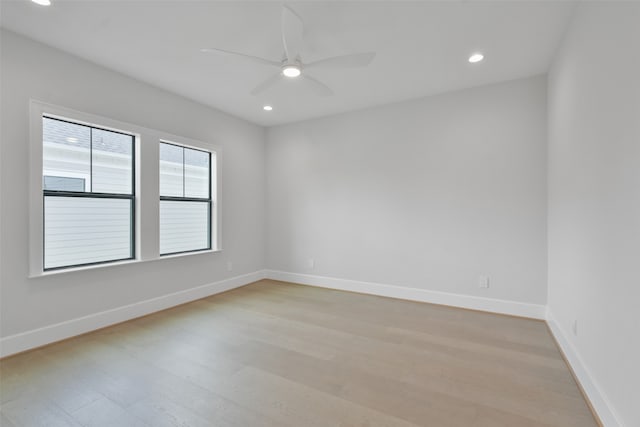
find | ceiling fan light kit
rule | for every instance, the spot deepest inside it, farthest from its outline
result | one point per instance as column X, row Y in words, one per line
column 476, row 57
column 291, row 71
column 291, row 67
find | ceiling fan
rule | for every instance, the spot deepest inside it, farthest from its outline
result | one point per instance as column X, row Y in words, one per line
column 292, row 66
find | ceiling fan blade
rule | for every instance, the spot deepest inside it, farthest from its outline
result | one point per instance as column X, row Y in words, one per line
column 271, row 81
column 242, row 55
column 317, row 86
column 292, row 30
column 355, row 60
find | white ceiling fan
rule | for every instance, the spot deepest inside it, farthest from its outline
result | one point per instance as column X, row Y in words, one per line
column 291, row 66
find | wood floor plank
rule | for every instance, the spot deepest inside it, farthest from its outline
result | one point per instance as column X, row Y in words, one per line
column 278, row 354
column 400, row 400
column 294, row 403
column 159, row 411
column 32, row 410
column 4, row 421
column 106, row 413
column 220, row 411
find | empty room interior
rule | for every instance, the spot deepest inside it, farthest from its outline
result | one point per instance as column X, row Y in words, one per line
column 320, row 213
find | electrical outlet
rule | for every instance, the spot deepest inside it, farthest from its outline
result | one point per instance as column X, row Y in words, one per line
column 311, row 263
column 229, row 266
column 483, row 282
column 574, row 327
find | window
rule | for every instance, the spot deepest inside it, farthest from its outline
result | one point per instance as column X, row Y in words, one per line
column 88, row 182
column 89, row 205
column 185, row 199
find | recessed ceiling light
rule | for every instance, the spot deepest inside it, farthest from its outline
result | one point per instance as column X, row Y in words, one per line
column 42, row 2
column 72, row 139
column 476, row 57
column 291, row 71
column 267, row 108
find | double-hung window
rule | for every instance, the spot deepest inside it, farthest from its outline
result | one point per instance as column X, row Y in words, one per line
column 88, row 181
column 185, row 199
column 90, row 206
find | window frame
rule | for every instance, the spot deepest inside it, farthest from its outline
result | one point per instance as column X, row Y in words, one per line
column 208, row 200
column 146, row 202
column 94, row 195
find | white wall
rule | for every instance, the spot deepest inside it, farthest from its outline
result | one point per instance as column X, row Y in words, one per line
column 32, row 70
column 425, row 194
column 594, row 198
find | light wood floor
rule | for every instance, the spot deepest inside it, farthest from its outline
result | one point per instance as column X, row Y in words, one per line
column 275, row 354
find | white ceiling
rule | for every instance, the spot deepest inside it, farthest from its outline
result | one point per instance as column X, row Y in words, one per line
column 422, row 47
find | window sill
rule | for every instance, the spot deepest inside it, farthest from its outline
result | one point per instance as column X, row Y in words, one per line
column 118, row 263
column 179, row 255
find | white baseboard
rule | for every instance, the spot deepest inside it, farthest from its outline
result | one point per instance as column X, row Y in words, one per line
column 513, row 308
column 38, row 337
column 597, row 398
